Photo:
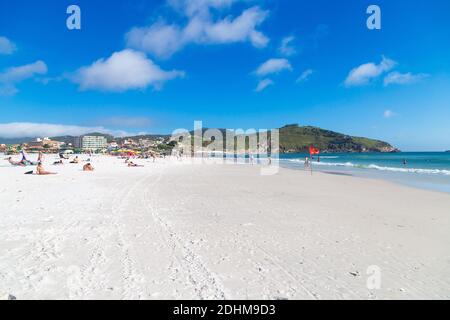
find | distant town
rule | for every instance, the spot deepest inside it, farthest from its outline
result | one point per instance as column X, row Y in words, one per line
column 95, row 143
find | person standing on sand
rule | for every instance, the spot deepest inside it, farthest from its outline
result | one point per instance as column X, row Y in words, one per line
column 306, row 163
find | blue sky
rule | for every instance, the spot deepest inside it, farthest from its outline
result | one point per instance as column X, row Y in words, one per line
column 229, row 63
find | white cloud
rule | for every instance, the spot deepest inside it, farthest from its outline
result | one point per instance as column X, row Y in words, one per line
column 263, row 84
column 124, row 70
column 305, row 76
column 273, row 66
column 29, row 129
column 286, row 47
column 403, row 78
column 163, row 39
column 15, row 75
column 7, row 46
column 160, row 39
column 365, row 73
column 389, row 114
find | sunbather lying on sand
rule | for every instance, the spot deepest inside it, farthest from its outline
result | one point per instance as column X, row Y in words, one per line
column 132, row 164
column 16, row 163
column 41, row 171
column 58, row 163
column 88, row 167
column 75, row 160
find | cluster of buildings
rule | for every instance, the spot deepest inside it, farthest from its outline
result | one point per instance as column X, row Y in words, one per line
column 38, row 145
column 93, row 143
column 47, row 145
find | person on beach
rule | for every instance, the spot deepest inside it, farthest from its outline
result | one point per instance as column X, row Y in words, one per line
column 40, row 157
column 16, row 163
column 40, row 171
column 132, row 164
column 88, row 167
column 58, row 163
column 405, row 163
column 24, row 157
column 307, row 164
column 75, row 161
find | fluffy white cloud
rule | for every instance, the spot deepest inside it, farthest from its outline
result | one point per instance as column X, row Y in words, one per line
column 10, row 77
column 286, row 47
column 273, row 66
column 403, row 78
column 6, row 46
column 18, row 74
column 160, row 39
column 305, row 76
column 29, row 129
column 365, row 73
column 263, row 84
column 124, row 70
column 163, row 40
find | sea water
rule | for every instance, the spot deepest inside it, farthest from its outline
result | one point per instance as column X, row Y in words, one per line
column 429, row 170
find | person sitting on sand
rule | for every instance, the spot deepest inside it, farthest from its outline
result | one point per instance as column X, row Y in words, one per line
column 75, row 160
column 41, row 171
column 16, row 163
column 132, row 164
column 88, row 167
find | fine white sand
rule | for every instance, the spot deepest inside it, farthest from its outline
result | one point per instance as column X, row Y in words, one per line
column 176, row 231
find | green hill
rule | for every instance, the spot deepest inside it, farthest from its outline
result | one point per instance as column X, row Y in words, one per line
column 294, row 138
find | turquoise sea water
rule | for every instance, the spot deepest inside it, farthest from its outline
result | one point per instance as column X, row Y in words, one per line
column 429, row 170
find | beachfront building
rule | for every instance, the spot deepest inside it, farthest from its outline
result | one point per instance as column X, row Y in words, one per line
column 113, row 145
column 129, row 143
column 91, row 142
column 45, row 144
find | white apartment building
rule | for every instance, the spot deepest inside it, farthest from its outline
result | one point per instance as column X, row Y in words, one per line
column 91, row 142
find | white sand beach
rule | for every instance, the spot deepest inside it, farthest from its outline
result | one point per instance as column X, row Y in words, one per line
column 171, row 230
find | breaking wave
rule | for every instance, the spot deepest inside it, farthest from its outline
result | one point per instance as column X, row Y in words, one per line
column 377, row 167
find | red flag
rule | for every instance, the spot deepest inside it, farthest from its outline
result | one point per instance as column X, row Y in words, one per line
column 313, row 150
